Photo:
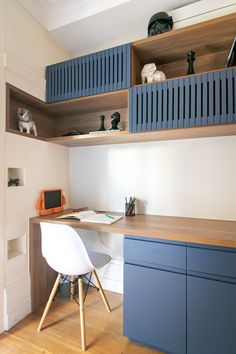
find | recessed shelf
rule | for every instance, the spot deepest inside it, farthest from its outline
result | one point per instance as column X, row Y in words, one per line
column 17, row 173
column 16, row 247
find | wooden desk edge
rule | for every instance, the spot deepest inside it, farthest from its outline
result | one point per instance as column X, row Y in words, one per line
column 182, row 229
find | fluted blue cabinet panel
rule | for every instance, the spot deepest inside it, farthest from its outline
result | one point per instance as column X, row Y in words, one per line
column 199, row 100
column 105, row 71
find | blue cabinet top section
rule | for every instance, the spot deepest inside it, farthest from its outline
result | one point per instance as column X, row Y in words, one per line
column 108, row 70
column 197, row 100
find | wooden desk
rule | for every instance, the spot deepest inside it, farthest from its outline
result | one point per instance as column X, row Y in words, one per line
column 191, row 230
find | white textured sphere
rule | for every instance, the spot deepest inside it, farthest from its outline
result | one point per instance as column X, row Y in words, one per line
column 158, row 76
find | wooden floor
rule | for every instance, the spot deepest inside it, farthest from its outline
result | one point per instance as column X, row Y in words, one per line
column 61, row 334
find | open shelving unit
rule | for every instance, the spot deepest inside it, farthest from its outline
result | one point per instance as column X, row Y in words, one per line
column 211, row 40
column 54, row 119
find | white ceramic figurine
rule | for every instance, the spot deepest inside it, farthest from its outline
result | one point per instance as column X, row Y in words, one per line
column 150, row 74
column 25, row 121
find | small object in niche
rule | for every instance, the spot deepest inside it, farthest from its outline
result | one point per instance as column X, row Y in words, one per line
column 159, row 23
column 190, row 60
column 231, row 60
column 25, row 121
column 150, row 74
column 102, row 126
column 115, row 119
column 13, row 182
column 73, row 132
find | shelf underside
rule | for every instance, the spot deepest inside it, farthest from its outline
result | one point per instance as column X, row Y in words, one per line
column 100, row 102
column 126, row 137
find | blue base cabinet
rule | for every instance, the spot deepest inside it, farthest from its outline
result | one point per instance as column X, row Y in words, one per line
column 180, row 298
column 155, row 308
column 211, row 316
column 211, row 300
column 155, row 294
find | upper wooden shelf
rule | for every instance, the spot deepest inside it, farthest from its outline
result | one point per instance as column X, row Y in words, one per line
column 204, row 38
column 126, row 137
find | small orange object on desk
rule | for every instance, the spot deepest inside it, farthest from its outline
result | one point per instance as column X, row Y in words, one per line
column 50, row 202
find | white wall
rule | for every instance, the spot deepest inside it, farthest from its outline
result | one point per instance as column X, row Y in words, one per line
column 193, row 178
column 46, row 167
column 28, row 50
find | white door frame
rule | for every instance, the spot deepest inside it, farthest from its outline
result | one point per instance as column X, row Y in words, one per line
column 2, row 159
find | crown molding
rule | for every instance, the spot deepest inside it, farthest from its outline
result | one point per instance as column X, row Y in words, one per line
column 39, row 10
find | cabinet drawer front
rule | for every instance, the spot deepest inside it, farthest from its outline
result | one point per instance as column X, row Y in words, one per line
column 211, row 261
column 154, row 254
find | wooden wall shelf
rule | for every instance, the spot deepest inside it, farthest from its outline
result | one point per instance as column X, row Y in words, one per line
column 55, row 119
column 210, row 40
column 126, row 137
column 204, row 38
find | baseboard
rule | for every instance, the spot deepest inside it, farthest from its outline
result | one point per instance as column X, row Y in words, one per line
column 11, row 318
column 17, row 303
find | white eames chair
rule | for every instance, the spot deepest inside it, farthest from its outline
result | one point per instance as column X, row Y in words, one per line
column 65, row 252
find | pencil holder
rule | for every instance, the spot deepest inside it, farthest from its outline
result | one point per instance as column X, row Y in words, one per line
column 129, row 209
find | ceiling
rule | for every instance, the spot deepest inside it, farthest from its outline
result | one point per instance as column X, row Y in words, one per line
column 80, row 26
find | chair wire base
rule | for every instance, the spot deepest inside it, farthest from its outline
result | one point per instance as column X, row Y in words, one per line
column 69, row 285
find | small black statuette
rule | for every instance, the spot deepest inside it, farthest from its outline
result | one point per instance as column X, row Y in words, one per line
column 115, row 119
column 102, row 126
column 159, row 23
column 190, row 60
column 13, row 182
column 73, row 132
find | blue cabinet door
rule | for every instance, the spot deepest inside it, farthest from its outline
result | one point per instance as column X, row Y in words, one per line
column 155, row 308
column 108, row 70
column 205, row 99
column 211, row 316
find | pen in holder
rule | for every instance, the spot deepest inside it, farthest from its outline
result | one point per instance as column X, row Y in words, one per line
column 130, row 207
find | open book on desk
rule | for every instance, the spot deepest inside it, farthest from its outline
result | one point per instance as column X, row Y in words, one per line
column 91, row 216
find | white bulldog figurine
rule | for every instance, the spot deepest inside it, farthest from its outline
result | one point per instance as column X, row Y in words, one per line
column 25, row 121
column 150, row 74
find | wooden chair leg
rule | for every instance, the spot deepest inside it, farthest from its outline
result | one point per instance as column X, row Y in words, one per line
column 82, row 315
column 101, row 291
column 51, row 297
column 72, row 286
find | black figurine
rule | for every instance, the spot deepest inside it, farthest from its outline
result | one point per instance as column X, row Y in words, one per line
column 13, row 182
column 73, row 132
column 190, row 60
column 159, row 23
column 102, row 126
column 115, row 119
